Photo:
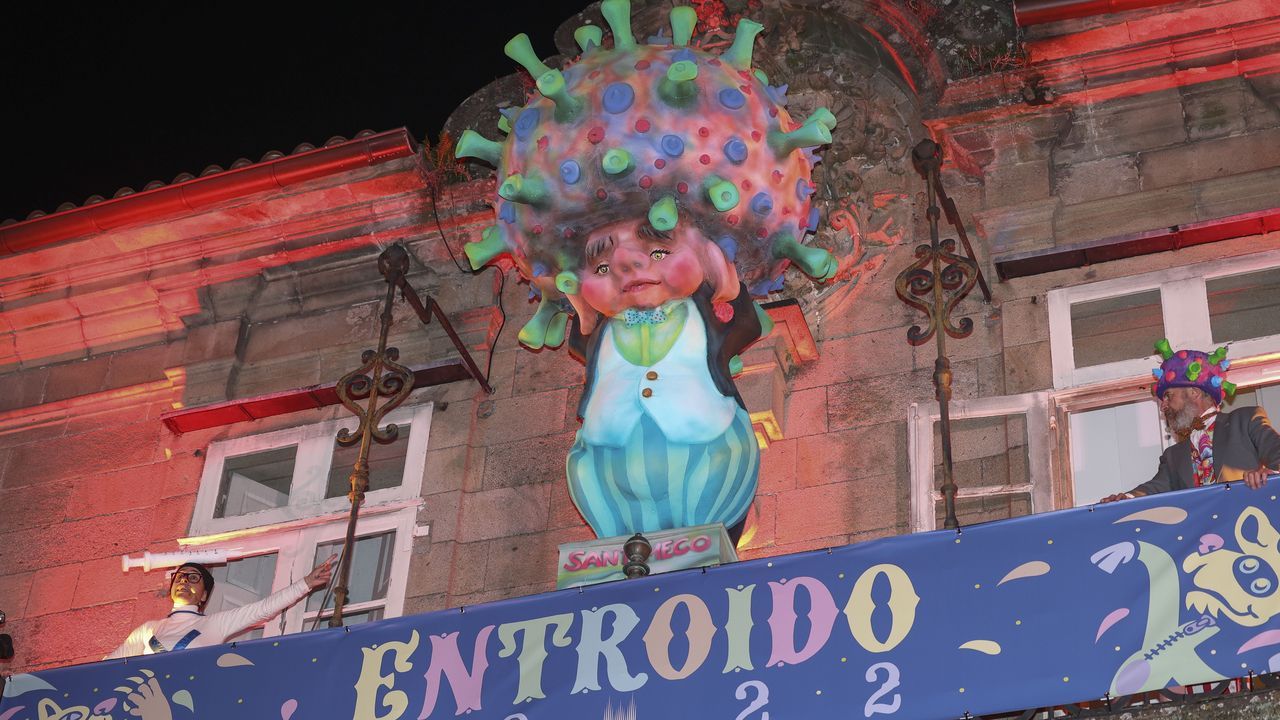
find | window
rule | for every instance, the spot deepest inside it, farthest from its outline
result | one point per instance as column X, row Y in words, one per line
column 301, row 473
column 1000, row 459
column 1102, row 338
column 277, row 503
column 1106, row 330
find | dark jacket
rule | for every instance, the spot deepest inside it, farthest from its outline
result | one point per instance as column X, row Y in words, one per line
column 724, row 340
column 1243, row 440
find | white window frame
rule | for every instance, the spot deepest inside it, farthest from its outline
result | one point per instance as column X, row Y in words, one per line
column 295, row 549
column 310, row 475
column 1184, row 307
column 1034, row 406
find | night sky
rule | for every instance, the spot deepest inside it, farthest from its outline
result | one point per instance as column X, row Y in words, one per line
column 120, row 94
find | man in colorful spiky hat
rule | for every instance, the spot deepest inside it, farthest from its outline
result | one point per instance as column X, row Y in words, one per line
column 1213, row 446
column 652, row 190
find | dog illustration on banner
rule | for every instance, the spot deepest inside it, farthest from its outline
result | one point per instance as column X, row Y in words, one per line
column 142, row 698
column 1238, row 586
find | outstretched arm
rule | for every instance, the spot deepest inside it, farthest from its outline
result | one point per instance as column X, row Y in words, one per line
column 227, row 623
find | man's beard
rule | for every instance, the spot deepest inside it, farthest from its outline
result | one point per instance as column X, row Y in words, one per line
column 1182, row 422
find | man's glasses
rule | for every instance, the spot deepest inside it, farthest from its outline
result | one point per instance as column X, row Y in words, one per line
column 190, row 577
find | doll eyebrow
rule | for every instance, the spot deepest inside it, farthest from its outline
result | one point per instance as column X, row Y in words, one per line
column 600, row 245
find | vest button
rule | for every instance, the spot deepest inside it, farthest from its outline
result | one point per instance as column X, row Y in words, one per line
column 647, row 392
column 651, row 375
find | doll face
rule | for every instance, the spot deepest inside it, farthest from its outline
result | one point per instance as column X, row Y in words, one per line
column 629, row 265
column 187, row 587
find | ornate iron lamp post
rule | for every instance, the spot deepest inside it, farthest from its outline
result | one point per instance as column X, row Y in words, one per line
column 376, row 388
column 935, row 284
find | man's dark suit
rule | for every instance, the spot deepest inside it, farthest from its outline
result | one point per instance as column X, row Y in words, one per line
column 1243, row 440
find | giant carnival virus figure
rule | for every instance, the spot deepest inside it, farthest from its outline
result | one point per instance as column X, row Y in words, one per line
column 651, row 190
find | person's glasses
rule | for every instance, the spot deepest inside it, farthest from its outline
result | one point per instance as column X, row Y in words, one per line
column 190, row 577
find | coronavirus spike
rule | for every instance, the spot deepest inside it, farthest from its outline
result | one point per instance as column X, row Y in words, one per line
column 474, row 145
column 739, row 54
column 663, row 215
column 679, row 87
column 504, row 124
column 524, row 190
column 618, row 14
column 722, row 193
column 588, row 37
column 1163, row 347
column 1218, row 356
column 683, row 20
column 1194, row 370
column 616, row 161
column 520, row 49
column 824, row 116
column 546, row 327
column 1229, row 388
column 567, row 283
column 487, row 248
column 805, row 136
column 551, row 84
column 812, row 261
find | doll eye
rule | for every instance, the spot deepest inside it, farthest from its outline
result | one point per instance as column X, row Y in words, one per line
column 659, row 253
column 602, row 269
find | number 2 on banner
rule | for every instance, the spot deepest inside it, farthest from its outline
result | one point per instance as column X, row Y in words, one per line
column 890, row 682
column 762, row 699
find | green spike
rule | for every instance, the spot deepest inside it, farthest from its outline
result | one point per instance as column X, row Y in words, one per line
column 683, row 20
column 761, row 76
column 664, row 214
column 474, row 145
column 812, row 261
column 722, row 193
column 679, row 88
column 551, row 84
column 567, row 283
column 739, row 54
column 504, row 124
column 524, row 190
column 1162, row 347
column 617, row 162
column 1229, row 388
column 520, row 49
column 618, row 14
column 589, row 37
column 766, row 321
column 1218, row 356
column 546, row 327
column 487, row 248
column 1193, row 370
column 735, row 365
column 807, row 135
column 824, row 116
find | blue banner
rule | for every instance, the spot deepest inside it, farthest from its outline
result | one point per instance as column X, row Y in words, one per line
column 1061, row 607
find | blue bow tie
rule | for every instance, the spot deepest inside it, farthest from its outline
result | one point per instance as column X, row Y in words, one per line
column 638, row 316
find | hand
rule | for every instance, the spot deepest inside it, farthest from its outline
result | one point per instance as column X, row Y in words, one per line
column 148, row 701
column 1117, row 496
column 1257, row 478
column 321, row 574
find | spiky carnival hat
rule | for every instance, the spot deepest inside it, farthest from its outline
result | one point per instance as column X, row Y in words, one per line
column 1193, row 368
column 659, row 131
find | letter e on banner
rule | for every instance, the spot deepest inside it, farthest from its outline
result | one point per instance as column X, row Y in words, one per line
column 371, row 680
column 902, row 604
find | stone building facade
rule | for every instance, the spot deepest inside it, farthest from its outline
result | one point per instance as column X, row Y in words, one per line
column 1119, row 175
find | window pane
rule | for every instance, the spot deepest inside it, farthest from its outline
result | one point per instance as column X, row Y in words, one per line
column 258, row 481
column 1113, row 449
column 1244, row 306
column 1267, row 397
column 239, row 583
column 1120, row 328
column 386, row 465
column 348, row 619
column 986, row 452
column 370, row 570
column 974, row 510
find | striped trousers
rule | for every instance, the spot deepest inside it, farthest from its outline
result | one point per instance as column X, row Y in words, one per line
column 652, row 483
